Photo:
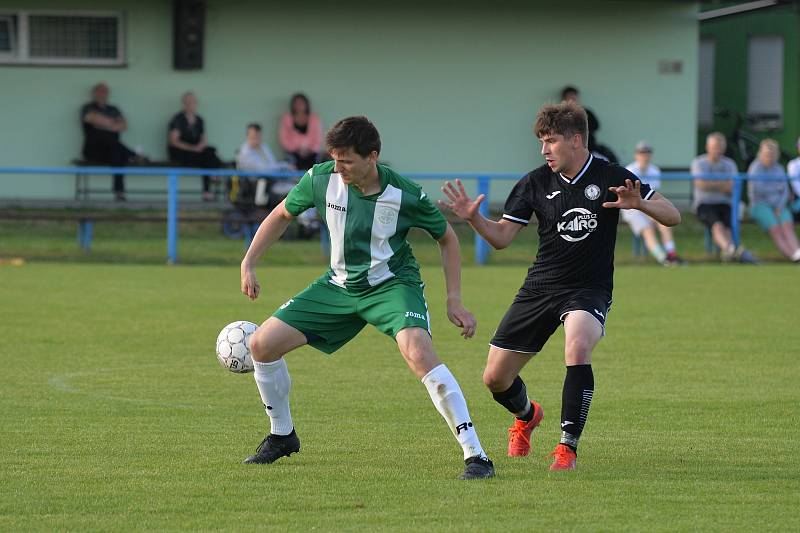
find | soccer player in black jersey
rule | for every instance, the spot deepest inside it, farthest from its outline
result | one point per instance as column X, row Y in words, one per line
column 576, row 198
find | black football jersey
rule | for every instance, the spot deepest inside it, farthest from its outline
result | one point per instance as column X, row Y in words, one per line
column 577, row 234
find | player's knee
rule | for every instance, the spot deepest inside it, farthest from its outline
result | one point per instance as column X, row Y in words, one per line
column 496, row 381
column 578, row 349
column 257, row 346
column 420, row 360
column 417, row 355
column 416, row 347
column 260, row 348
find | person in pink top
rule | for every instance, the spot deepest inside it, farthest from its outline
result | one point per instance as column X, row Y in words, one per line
column 300, row 134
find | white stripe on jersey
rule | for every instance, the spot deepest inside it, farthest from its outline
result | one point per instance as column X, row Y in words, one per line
column 336, row 195
column 515, row 219
column 581, row 173
column 427, row 312
column 384, row 226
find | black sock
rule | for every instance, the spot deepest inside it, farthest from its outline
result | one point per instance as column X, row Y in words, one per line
column 575, row 401
column 515, row 399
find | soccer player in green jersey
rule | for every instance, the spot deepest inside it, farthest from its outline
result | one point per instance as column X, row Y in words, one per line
column 373, row 279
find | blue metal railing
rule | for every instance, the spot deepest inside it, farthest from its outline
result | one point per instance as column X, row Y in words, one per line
column 483, row 182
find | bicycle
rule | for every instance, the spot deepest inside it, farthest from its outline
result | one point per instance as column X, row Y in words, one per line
column 742, row 143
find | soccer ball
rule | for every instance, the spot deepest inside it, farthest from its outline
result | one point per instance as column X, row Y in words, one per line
column 233, row 350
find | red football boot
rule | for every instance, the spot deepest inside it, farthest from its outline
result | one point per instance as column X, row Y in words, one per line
column 519, row 435
column 563, row 458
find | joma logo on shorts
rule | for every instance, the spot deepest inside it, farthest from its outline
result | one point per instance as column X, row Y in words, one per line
column 337, row 207
column 412, row 314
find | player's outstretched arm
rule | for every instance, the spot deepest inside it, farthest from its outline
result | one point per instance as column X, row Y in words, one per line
column 268, row 232
column 451, row 263
column 498, row 234
column 661, row 210
column 629, row 196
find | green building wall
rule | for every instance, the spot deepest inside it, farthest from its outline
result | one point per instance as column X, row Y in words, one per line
column 452, row 86
column 731, row 35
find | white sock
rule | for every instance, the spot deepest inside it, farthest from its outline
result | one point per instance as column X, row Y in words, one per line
column 796, row 255
column 669, row 246
column 274, row 383
column 449, row 401
column 658, row 253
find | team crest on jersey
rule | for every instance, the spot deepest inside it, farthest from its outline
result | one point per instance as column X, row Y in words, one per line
column 386, row 215
column 592, row 191
column 577, row 223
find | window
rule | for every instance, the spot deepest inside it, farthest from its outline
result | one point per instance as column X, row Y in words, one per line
column 765, row 81
column 705, row 101
column 61, row 38
column 8, row 36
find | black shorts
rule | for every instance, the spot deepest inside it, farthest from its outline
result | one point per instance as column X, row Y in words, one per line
column 710, row 214
column 535, row 315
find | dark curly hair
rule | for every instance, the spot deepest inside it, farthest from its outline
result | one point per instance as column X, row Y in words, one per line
column 357, row 133
column 565, row 119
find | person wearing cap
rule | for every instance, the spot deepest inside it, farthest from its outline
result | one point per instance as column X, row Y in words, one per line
column 642, row 225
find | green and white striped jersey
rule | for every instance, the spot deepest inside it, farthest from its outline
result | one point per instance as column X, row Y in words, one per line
column 368, row 233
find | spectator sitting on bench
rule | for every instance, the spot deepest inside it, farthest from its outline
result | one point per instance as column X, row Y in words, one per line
column 255, row 156
column 793, row 170
column 102, row 124
column 713, row 196
column 187, row 143
column 642, row 225
column 769, row 199
column 300, row 133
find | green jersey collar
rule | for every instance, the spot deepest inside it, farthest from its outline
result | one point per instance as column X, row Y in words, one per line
column 383, row 177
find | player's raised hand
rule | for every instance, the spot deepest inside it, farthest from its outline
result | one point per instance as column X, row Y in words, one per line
column 629, row 196
column 459, row 202
column 250, row 285
column 462, row 318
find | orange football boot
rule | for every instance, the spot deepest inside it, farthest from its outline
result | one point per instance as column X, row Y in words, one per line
column 519, row 435
column 564, row 458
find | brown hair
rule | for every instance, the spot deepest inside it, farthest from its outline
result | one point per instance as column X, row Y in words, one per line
column 357, row 133
column 302, row 98
column 565, row 119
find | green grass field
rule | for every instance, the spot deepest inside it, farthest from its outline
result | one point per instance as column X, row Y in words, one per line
column 116, row 415
column 204, row 244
